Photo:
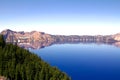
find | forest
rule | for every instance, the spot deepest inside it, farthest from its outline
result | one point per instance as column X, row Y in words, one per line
column 17, row 63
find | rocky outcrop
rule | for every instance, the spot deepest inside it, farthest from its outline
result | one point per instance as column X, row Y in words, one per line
column 116, row 37
column 37, row 39
column 26, row 37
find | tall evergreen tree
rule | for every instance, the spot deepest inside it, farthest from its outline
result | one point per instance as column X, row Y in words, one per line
column 20, row 64
column 2, row 41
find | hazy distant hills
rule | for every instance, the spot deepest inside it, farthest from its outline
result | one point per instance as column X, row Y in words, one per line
column 35, row 36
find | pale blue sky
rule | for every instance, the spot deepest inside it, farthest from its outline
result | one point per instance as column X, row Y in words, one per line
column 68, row 17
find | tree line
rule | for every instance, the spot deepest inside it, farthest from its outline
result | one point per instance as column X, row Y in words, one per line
column 19, row 64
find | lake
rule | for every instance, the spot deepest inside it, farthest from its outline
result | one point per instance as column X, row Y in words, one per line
column 84, row 61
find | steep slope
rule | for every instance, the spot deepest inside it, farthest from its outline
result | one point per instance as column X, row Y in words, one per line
column 19, row 64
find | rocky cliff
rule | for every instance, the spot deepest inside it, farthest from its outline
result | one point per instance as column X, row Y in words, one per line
column 26, row 37
column 37, row 39
column 116, row 37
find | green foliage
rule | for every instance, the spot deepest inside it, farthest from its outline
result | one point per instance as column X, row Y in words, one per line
column 20, row 64
column 2, row 41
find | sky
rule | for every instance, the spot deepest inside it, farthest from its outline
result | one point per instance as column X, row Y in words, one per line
column 65, row 17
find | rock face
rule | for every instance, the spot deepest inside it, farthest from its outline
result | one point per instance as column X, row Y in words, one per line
column 116, row 37
column 86, row 38
column 37, row 39
column 26, row 37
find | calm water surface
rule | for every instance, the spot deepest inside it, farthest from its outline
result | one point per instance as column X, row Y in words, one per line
column 84, row 61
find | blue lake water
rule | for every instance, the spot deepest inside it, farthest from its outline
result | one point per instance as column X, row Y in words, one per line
column 84, row 61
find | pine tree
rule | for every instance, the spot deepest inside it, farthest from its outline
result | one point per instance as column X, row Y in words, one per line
column 2, row 41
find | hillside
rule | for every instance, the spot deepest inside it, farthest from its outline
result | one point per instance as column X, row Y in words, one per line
column 19, row 64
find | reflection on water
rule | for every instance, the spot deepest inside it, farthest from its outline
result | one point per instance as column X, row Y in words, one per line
column 84, row 61
column 39, row 45
column 35, row 45
column 117, row 44
column 81, row 60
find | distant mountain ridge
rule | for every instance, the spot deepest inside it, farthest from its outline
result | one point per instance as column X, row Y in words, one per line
column 41, row 37
column 13, row 36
